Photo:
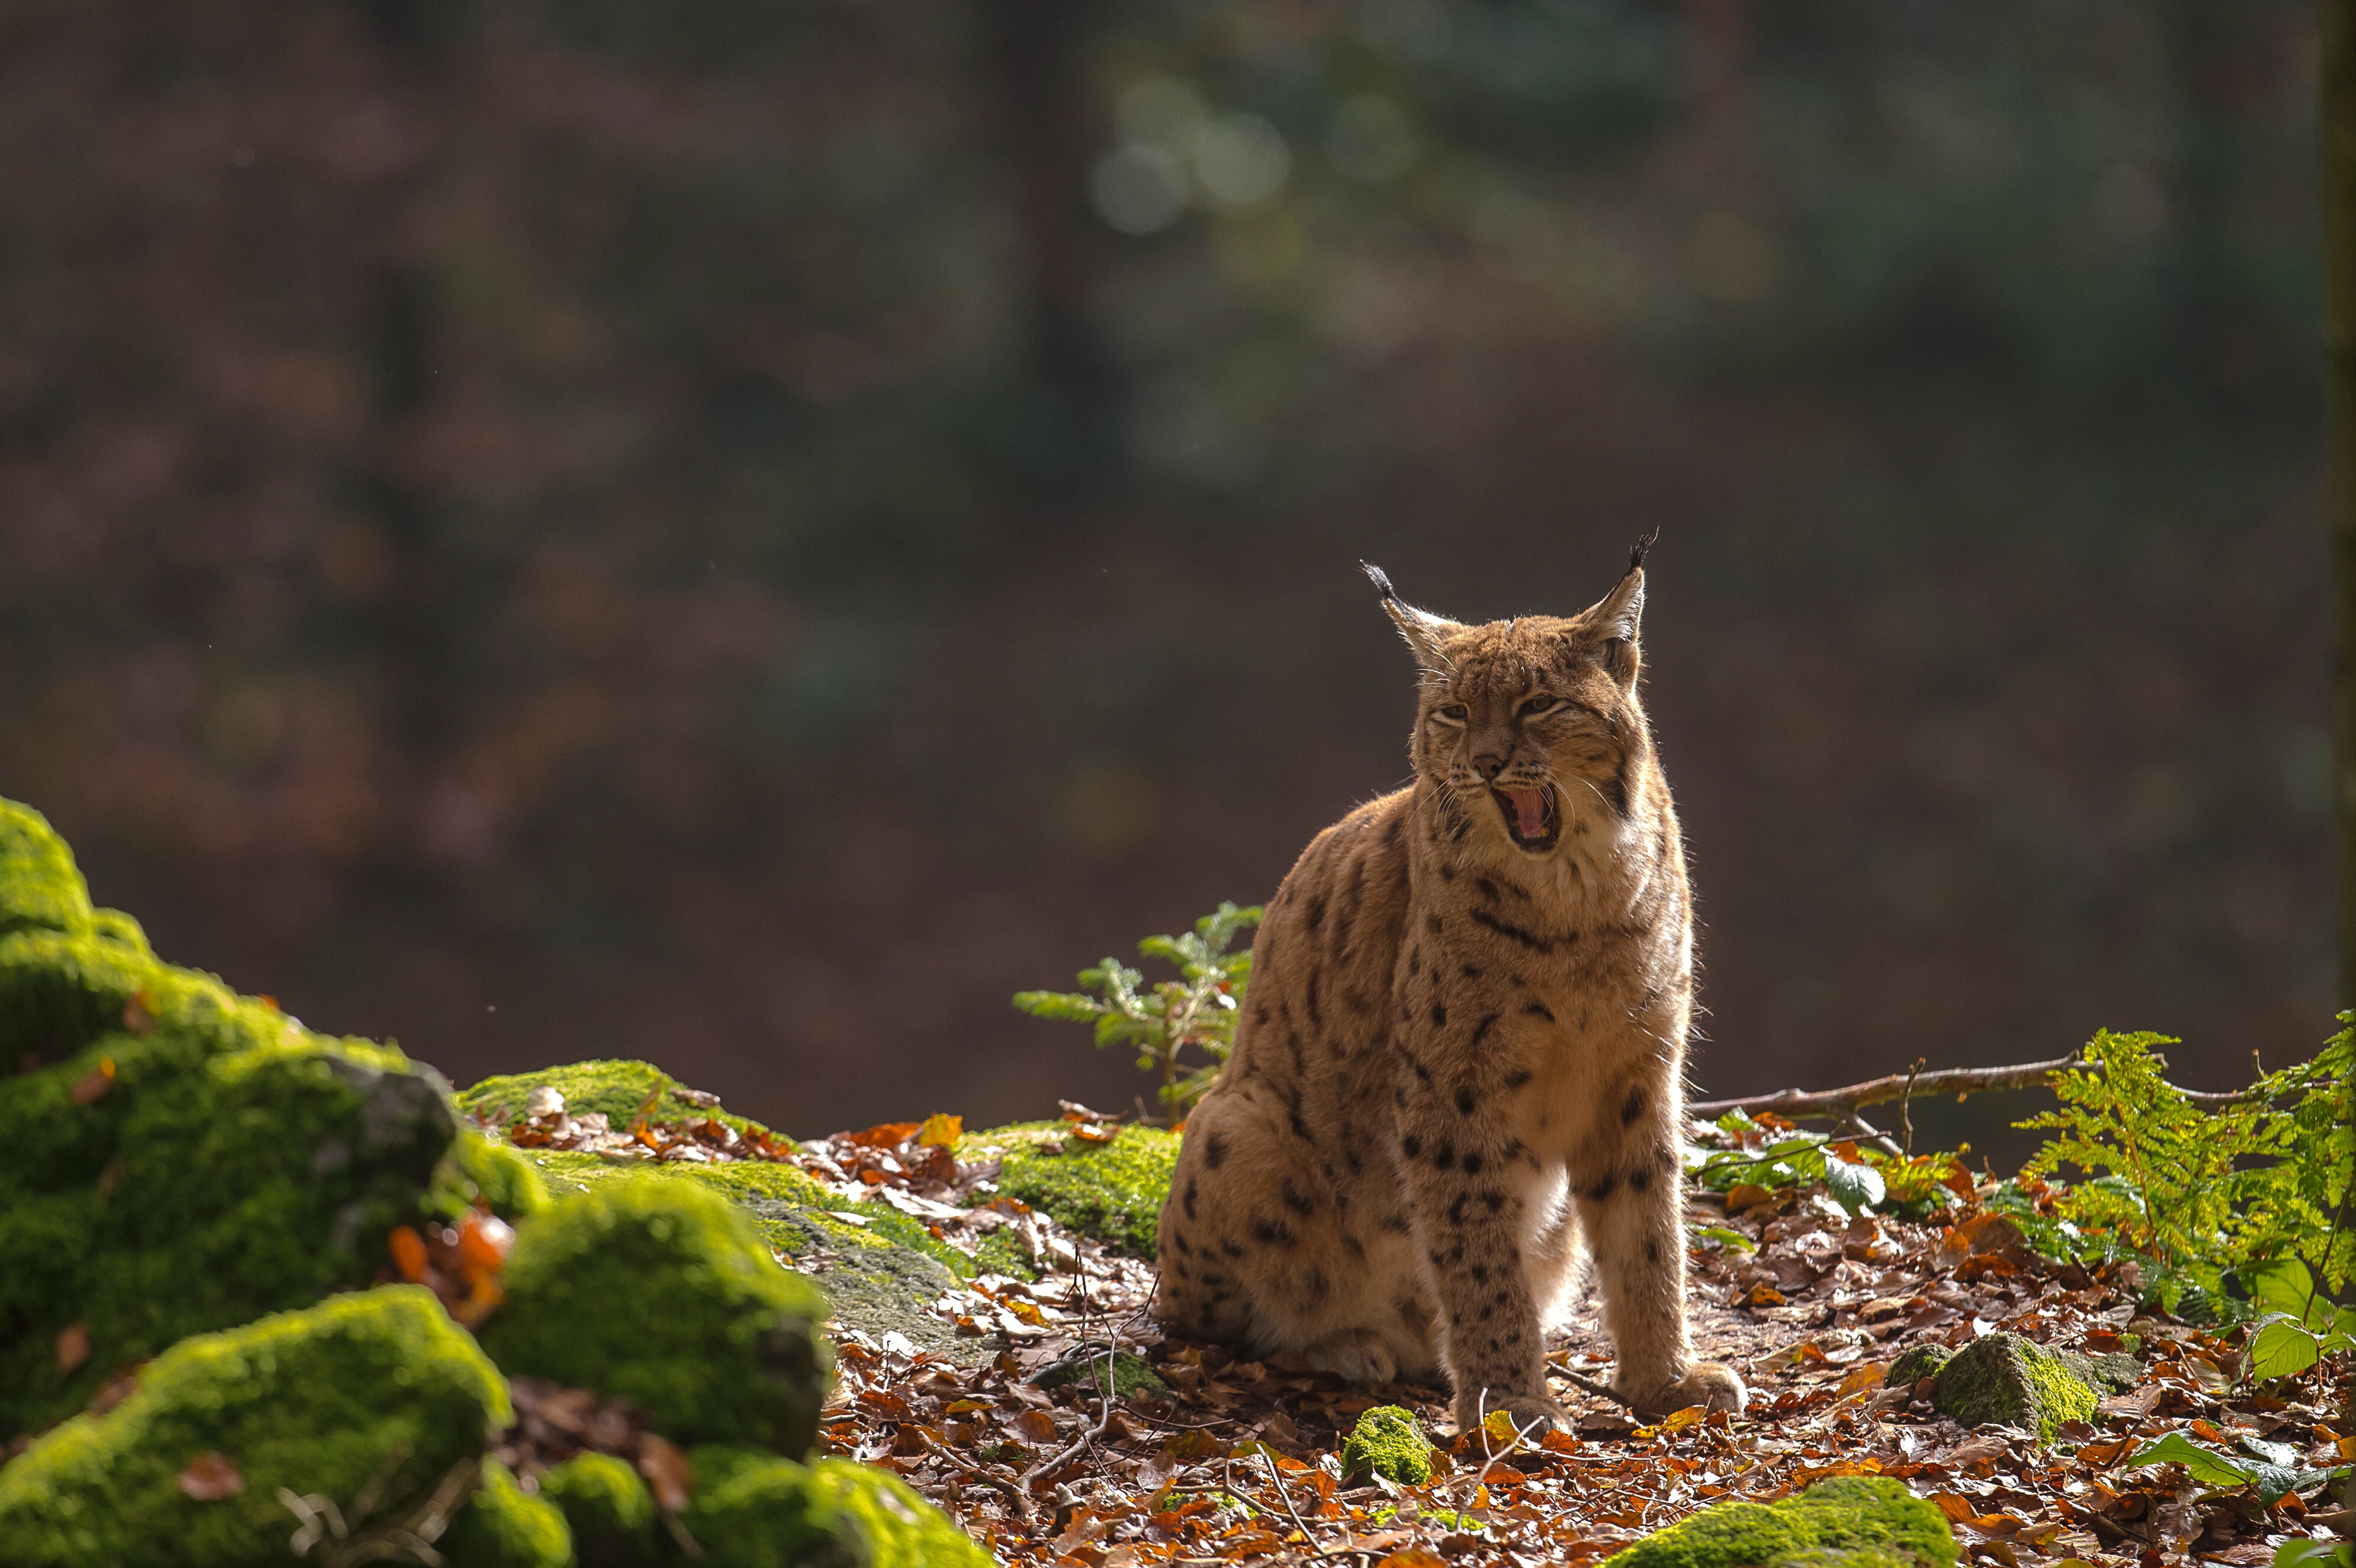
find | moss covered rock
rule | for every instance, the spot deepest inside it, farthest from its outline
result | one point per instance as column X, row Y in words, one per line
column 753, row 1510
column 1387, row 1440
column 502, row 1526
column 662, row 1293
column 1111, row 1191
column 325, row 1401
column 215, row 1163
column 1922, row 1361
column 608, row 1508
column 2011, row 1380
column 619, row 1088
column 1855, row 1521
column 39, row 887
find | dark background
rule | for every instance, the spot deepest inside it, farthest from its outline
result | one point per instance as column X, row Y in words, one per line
column 741, row 534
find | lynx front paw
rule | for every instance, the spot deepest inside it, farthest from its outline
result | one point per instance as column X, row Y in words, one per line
column 1356, row 1356
column 1531, row 1414
column 1706, row 1383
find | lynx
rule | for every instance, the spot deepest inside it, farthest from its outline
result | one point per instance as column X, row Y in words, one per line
column 1462, row 1048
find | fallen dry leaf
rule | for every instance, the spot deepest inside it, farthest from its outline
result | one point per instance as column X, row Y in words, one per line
column 668, row 1472
column 210, row 1478
column 92, row 1086
column 74, row 1347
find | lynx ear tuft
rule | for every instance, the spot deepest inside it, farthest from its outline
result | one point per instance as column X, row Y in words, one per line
column 1422, row 630
column 1612, row 623
column 1640, row 548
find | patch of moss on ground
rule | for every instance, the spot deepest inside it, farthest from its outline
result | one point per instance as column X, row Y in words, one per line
column 662, row 1293
column 315, row 1402
column 1854, row 1521
column 616, row 1088
column 1127, row 1374
column 1387, row 1440
column 1111, row 1192
column 2012, row 1381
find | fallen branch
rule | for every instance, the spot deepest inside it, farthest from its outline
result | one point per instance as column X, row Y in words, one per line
column 1956, row 1080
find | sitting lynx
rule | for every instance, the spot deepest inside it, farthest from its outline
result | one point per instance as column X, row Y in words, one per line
column 1462, row 1048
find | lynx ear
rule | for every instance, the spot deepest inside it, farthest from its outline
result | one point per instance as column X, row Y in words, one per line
column 1613, row 621
column 1421, row 629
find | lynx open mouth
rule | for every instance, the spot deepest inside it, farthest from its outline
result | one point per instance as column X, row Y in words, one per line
column 1531, row 816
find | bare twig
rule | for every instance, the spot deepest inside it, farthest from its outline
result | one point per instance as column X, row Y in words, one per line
column 1307, row 1538
column 1601, row 1391
column 1906, row 1106
column 1956, row 1080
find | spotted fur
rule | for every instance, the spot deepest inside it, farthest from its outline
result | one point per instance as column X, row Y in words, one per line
column 1461, row 1051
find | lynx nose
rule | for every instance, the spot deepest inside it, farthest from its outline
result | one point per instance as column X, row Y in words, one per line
column 1488, row 765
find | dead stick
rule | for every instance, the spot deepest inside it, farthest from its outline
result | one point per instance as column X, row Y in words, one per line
column 1903, row 1085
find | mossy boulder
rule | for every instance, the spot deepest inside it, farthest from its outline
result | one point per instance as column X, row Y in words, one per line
column 1113, row 1191
column 219, row 1163
column 617, row 1089
column 753, row 1510
column 663, row 1294
column 606, row 1506
column 879, row 1268
column 502, row 1526
column 1922, row 1361
column 378, row 1387
column 39, row 887
column 1387, row 1440
column 2012, row 1381
column 1854, row 1521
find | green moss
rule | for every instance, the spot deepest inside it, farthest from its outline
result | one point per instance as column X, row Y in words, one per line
column 662, row 1293
column 617, row 1089
column 1922, row 1361
column 608, row 1508
column 1111, row 1192
column 1855, row 1521
column 1387, row 1440
column 316, row 1402
column 1001, row 1252
column 475, row 1167
column 502, row 1526
column 1130, row 1374
column 879, row 1269
column 39, row 887
column 2013, row 1381
column 753, row 1510
column 201, row 1190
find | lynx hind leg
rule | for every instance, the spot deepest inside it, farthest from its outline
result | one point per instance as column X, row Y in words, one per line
column 1631, row 1215
column 1242, row 1262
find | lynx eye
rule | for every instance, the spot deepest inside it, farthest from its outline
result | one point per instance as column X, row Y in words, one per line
column 1456, row 712
column 1537, row 705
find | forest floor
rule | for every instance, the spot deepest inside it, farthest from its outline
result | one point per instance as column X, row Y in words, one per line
column 1229, row 1460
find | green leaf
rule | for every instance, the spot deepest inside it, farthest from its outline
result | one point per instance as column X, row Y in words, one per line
column 1853, row 1186
column 2205, row 1465
column 2283, row 1348
column 2284, row 1285
column 2309, row 1553
column 1724, row 1237
column 2214, row 1470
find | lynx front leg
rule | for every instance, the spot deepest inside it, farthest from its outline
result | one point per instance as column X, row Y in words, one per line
column 1631, row 1214
column 1468, row 1221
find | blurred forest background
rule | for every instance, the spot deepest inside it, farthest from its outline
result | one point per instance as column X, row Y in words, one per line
column 743, row 533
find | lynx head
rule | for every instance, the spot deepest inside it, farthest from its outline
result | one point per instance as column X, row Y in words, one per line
column 1524, row 723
